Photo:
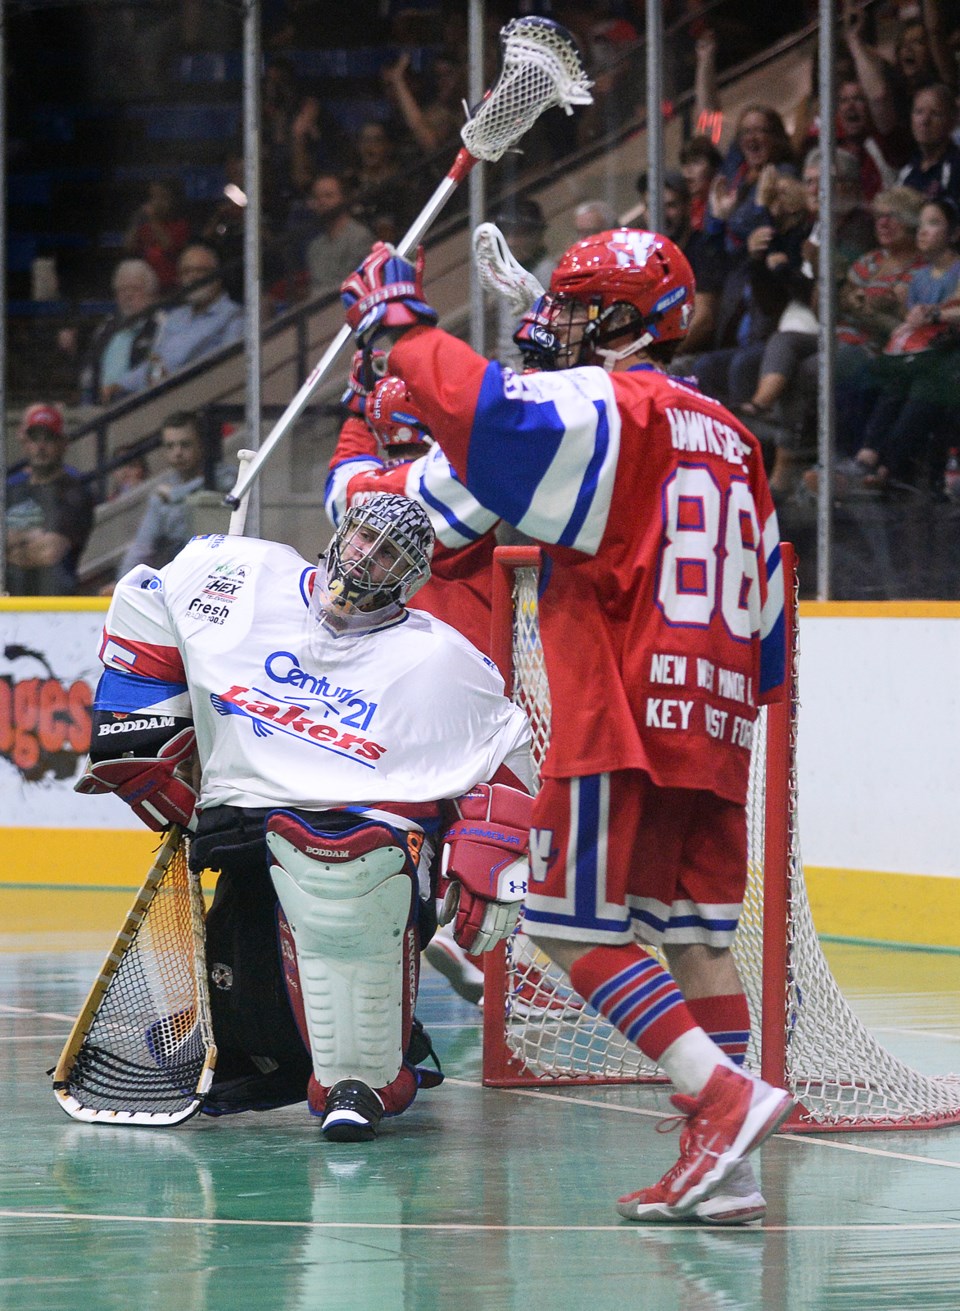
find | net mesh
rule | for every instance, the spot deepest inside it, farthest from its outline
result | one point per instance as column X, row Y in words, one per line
column 144, row 1053
column 840, row 1075
column 540, row 69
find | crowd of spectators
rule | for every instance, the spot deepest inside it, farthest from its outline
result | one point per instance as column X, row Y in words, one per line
column 748, row 219
column 50, row 504
column 746, row 215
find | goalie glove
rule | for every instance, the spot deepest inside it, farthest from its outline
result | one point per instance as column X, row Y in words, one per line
column 152, row 786
column 385, row 294
column 535, row 338
column 485, row 861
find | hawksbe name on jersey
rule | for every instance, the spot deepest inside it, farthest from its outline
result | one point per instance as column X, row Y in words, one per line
column 702, row 433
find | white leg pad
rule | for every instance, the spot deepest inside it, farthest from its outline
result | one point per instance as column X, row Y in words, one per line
column 349, row 920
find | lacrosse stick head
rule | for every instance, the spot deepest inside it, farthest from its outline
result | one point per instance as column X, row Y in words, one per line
column 540, row 68
column 500, row 273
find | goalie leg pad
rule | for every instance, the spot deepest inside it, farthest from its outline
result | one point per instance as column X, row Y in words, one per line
column 350, row 900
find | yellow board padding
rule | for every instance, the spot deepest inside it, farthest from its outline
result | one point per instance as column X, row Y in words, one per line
column 77, row 857
column 913, row 909
column 47, row 604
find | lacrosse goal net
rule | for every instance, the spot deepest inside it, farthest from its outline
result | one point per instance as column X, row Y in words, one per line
column 142, row 1050
column 804, row 1034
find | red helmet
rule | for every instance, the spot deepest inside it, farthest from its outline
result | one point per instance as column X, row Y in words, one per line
column 393, row 415
column 624, row 269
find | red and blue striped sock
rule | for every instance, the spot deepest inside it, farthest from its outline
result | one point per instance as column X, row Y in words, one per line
column 636, row 994
column 725, row 1019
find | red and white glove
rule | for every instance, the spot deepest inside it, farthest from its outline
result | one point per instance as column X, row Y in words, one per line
column 152, row 786
column 385, row 293
column 485, row 861
column 363, row 371
column 536, row 339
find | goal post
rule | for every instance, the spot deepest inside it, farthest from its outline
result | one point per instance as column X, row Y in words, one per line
column 804, row 1034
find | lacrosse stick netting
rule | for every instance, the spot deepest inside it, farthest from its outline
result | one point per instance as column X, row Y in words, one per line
column 500, row 273
column 541, row 69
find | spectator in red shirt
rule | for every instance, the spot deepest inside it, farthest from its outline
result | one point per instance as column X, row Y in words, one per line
column 158, row 231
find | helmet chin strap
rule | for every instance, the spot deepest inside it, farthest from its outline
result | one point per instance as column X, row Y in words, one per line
column 612, row 358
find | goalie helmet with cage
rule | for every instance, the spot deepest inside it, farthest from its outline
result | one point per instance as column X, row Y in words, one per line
column 394, row 417
column 380, row 553
column 625, row 285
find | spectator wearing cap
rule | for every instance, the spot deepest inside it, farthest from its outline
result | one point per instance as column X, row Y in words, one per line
column 49, row 511
column 523, row 225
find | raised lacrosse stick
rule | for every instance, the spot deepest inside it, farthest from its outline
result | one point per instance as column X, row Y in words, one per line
column 540, row 68
column 500, row 272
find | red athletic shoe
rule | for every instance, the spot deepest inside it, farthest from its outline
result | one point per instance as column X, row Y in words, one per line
column 733, row 1115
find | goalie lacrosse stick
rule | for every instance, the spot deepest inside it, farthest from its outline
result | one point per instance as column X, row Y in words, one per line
column 141, row 1050
column 500, row 273
column 540, row 69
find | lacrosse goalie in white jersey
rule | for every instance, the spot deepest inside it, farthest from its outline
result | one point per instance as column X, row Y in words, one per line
column 348, row 748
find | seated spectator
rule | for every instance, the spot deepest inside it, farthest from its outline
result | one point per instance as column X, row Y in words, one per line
column 159, row 231
column 208, row 320
column 375, row 179
column 761, row 144
column 934, row 167
column 592, row 216
column 299, row 139
column 909, row 391
column 853, row 225
column 921, row 57
column 123, row 339
column 524, row 227
column 870, row 298
column 875, row 155
column 337, row 242
column 783, row 402
column 700, row 162
column 433, row 121
column 166, row 525
column 705, row 253
column 49, row 511
column 132, row 473
column 757, row 290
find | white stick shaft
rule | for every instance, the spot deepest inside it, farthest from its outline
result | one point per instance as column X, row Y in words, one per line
column 408, row 243
column 239, row 517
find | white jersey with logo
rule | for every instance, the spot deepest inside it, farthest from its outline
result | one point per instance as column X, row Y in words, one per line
column 287, row 713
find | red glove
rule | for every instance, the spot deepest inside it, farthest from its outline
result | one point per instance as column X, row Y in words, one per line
column 536, row 339
column 153, row 787
column 485, row 860
column 356, row 395
column 385, row 292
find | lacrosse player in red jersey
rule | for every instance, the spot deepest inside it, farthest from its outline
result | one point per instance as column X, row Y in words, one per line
column 350, row 750
column 663, row 575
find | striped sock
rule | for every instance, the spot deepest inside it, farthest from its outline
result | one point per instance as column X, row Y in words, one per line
column 636, row 994
column 726, row 1020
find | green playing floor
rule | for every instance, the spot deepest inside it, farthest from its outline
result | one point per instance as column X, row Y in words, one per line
column 475, row 1199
